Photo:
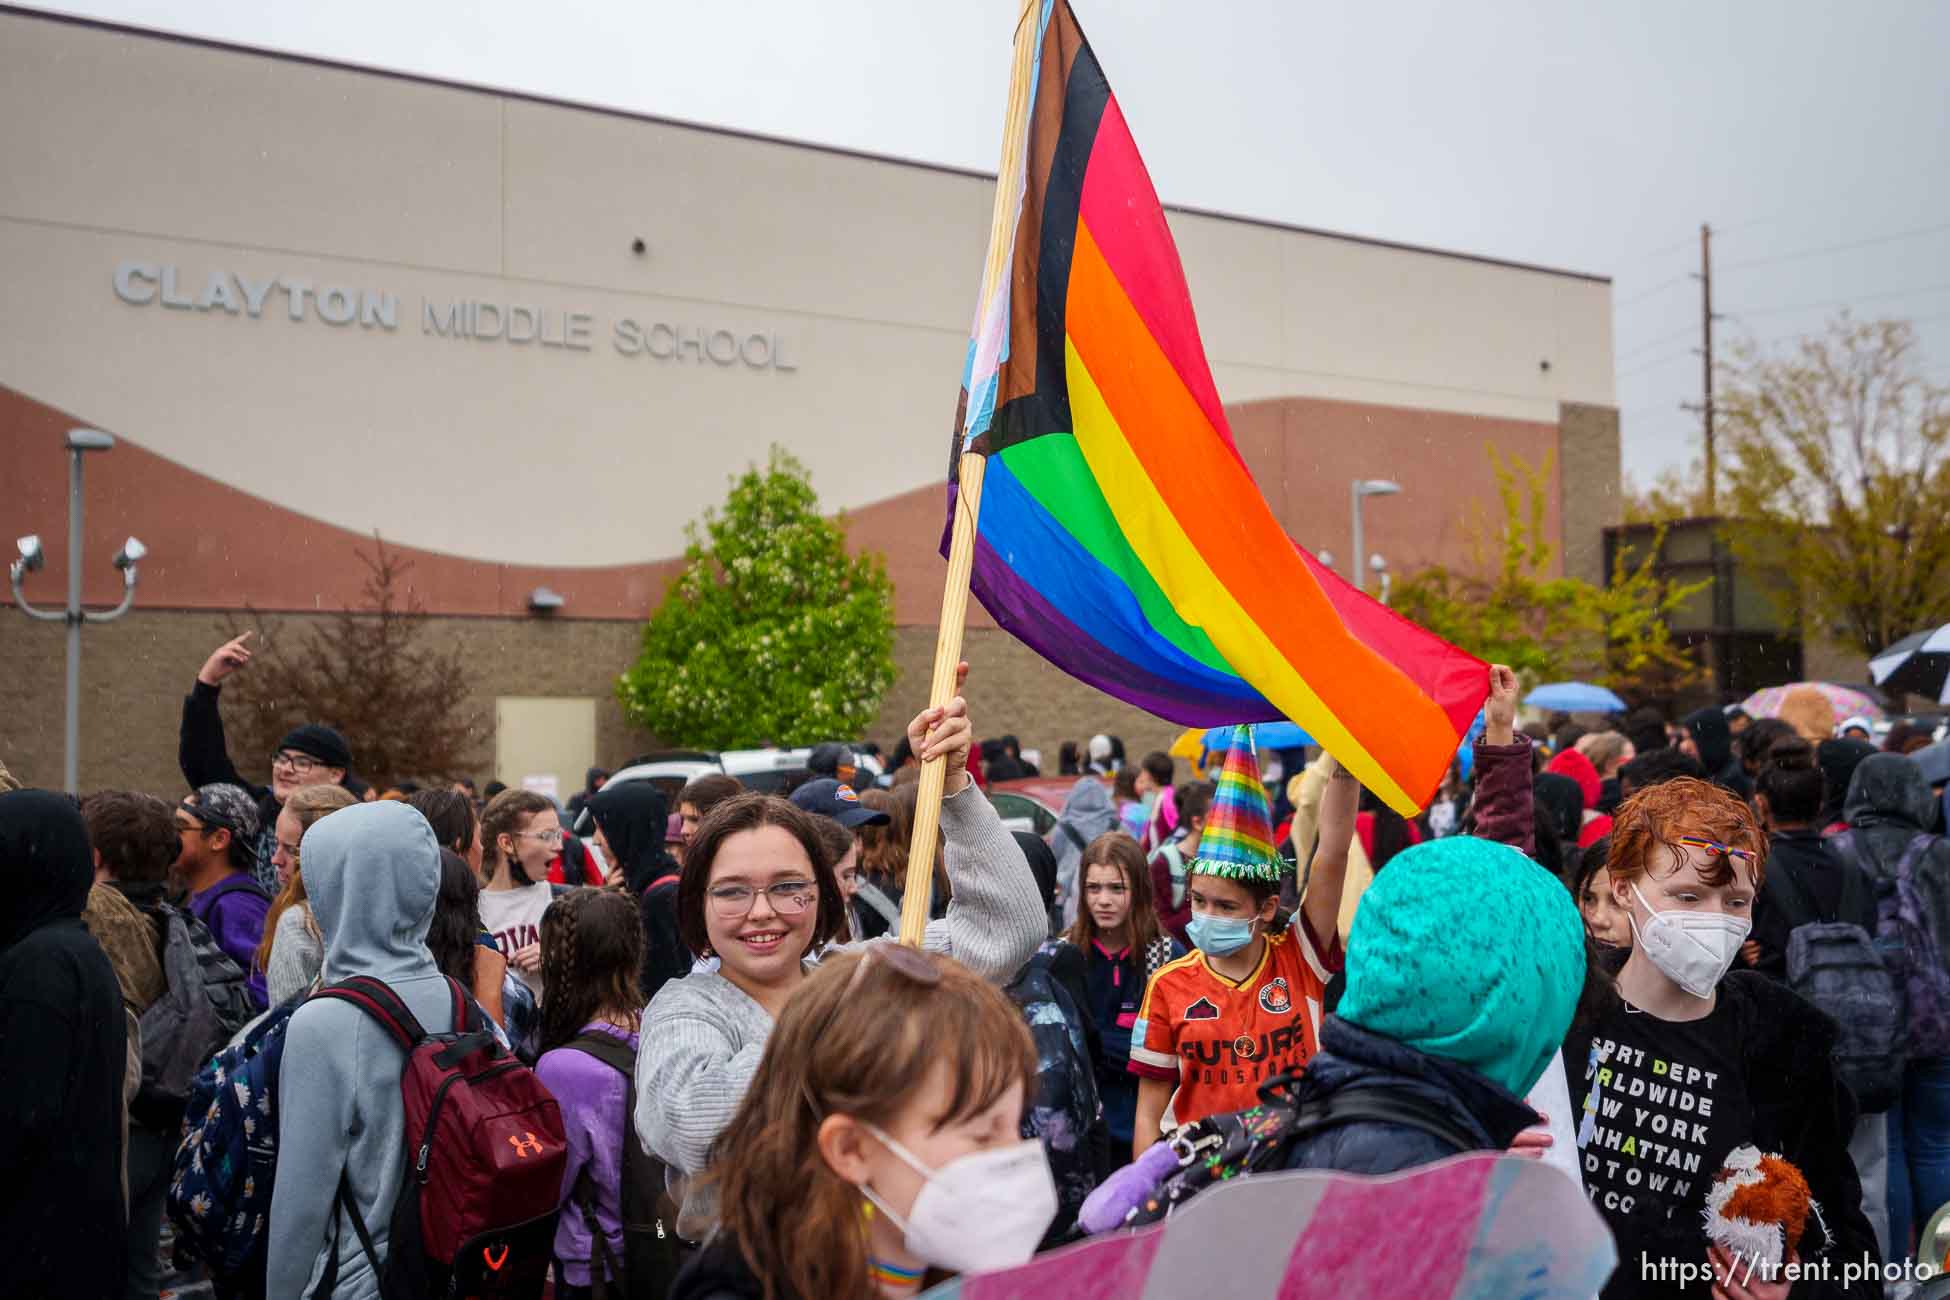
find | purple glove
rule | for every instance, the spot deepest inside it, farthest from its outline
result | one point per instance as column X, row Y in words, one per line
column 1128, row 1188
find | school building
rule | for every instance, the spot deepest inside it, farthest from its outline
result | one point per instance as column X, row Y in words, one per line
column 526, row 342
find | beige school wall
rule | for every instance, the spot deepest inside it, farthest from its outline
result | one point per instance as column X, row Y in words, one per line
column 157, row 188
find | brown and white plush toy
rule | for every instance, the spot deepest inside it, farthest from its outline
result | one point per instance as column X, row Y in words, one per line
column 1758, row 1208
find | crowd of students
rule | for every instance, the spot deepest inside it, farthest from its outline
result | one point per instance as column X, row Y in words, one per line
column 741, row 1087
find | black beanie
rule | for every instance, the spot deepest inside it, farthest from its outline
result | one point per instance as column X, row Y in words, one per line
column 321, row 742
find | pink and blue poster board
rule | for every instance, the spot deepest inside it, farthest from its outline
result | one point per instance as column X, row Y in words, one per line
column 1482, row 1227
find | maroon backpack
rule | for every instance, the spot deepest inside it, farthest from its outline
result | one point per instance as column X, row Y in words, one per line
column 484, row 1159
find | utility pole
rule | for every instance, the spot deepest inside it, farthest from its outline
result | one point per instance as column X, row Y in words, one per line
column 1706, row 353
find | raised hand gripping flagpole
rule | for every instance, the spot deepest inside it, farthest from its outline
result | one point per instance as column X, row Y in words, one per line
column 968, row 502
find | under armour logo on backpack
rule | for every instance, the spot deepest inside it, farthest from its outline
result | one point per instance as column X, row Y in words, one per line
column 526, row 1145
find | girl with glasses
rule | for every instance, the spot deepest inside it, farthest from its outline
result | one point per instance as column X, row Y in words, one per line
column 1122, row 945
column 879, row 1139
column 520, row 832
column 758, row 895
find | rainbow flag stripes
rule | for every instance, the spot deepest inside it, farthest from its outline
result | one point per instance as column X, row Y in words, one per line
column 1237, row 842
column 1120, row 534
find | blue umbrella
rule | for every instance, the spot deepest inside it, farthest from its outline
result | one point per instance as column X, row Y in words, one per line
column 1266, row 735
column 1575, row 697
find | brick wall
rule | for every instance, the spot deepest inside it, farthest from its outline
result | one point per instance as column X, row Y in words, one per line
column 135, row 672
column 1013, row 690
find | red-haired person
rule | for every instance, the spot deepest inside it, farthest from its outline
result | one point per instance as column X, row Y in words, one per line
column 1686, row 1061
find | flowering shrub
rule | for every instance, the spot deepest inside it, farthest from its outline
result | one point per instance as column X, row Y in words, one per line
column 773, row 634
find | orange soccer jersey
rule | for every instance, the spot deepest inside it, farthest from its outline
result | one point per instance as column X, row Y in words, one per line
column 1218, row 1041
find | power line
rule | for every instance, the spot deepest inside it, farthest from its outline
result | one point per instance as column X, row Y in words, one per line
column 1638, row 349
column 1836, row 248
column 1843, row 302
column 1657, row 288
column 1655, row 362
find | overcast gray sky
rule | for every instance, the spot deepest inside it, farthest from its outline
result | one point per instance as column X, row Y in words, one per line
column 1595, row 136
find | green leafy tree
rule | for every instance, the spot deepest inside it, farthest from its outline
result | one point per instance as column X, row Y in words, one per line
column 1507, row 607
column 773, row 634
column 1838, row 472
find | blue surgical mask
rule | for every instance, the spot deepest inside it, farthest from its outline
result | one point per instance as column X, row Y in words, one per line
column 1219, row 936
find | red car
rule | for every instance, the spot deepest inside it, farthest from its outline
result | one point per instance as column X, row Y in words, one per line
column 1033, row 802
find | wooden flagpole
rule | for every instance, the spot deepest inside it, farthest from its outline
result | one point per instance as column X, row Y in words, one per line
column 968, row 499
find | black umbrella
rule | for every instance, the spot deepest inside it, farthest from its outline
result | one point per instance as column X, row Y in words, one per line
column 1919, row 664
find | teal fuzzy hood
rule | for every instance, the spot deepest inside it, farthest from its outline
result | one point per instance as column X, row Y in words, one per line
column 1467, row 950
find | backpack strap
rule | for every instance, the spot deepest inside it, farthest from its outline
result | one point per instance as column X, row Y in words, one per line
column 621, row 1059
column 328, row 1283
column 1380, row 1106
column 1913, row 853
column 607, row 1050
column 377, row 999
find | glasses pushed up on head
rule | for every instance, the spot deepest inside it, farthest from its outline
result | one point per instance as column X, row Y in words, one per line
column 787, row 897
column 1746, row 857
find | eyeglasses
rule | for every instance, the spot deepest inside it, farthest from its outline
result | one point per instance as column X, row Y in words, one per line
column 1747, row 856
column 299, row 763
column 788, row 898
column 551, row 838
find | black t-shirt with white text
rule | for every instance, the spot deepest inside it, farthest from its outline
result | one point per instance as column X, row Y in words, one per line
column 1659, row 1104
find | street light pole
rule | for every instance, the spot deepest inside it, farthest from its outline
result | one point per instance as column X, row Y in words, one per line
column 79, row 441
column 1366, row 487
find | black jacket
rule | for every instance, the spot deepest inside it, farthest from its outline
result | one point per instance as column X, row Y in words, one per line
column 63, row 1050
column 1802, row 1111
column 1803, row 884
column 719, row 1272
column 1351, row 1059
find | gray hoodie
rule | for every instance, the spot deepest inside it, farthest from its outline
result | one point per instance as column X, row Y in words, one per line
column 372, row 872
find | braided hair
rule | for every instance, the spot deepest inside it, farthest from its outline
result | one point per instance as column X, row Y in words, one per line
column 592, row 951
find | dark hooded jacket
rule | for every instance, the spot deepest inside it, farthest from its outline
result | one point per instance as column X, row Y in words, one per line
column 63, row 1049
column 1352, row 1059
column 1889, row 804
column 634, row 816
column 1714, row 740
column 1838, row 760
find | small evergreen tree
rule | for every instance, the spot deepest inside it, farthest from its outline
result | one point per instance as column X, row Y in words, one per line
column 773, row 634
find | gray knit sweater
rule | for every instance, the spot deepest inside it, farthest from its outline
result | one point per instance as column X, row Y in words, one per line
column 297, row 953
column 703, row 1035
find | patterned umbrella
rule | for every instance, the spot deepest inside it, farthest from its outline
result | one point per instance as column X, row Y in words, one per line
column 1848, row 702
column 1919, row 664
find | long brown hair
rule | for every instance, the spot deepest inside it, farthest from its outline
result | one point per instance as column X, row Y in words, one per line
column 507, row 814
column 883, row 849
column 308, row 803
column 592, row 950
column 1117, row 849
column 863, row 1051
